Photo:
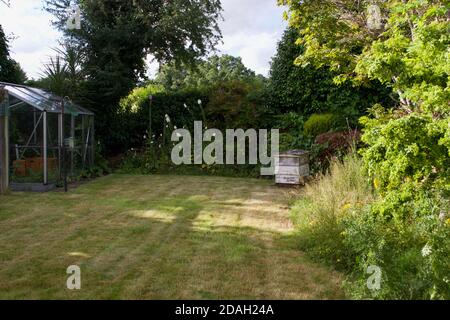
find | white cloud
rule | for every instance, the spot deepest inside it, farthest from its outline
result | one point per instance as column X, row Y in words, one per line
column 251, row 29
column 33, row 35
column 256, row 50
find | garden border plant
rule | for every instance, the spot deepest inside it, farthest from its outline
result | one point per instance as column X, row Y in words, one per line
column 405, row 229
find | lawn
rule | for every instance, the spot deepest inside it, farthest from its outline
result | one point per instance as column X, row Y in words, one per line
column 157, row 237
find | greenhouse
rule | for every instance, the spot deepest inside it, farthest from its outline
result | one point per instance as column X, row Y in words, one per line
column 46, row 138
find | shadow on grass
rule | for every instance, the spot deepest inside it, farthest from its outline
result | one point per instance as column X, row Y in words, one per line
column 168, row 247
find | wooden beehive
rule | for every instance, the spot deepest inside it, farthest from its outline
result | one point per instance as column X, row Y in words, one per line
column 291, row 167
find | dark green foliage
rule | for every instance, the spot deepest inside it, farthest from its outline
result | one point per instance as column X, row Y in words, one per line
column 117, row 36
column 307, row 89
column 55, row 76
column 237, row 104
column 63, row 75
column 319, row 123
column 143, row 162
column 413, row 255
column 182, row 108
column 236, row 93
column 293, row 88
column 101, row 167
column 227, row 105
column 10, row 70
column 231, row 97
column 204, row 74
column 405, row 228
column 291, row 132
column 407, row 156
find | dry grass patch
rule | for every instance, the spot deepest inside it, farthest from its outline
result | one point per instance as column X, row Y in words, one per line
column 157, row 237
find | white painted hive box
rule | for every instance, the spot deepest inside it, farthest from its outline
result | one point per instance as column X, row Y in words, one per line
column 291, row 167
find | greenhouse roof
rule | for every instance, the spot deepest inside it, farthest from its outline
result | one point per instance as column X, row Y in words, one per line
column 41, row 100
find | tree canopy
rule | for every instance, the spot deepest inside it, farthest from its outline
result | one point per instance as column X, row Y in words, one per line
column 413, row 56
column 334, row 32
column 307, row 89
column 10, row 70
column 205, row 73
column 409, row 52
column 116, row 37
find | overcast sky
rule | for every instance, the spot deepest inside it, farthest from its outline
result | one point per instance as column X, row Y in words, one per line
column 251, row 30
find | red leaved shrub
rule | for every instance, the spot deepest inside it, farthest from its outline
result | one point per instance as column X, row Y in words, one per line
column 335, row 144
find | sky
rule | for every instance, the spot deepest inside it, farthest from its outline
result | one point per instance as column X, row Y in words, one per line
column 251, row 30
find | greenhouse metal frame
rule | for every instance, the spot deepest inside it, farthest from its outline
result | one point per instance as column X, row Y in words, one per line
column 39, row 128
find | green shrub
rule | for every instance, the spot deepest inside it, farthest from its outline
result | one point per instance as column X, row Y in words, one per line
column 306, row 89
column 406, row 230
column 236, row 104
column 145, row 162
column 407, row 153
column 319, row 123
column 338, row 221
column 181, row 106
column 291, row 132
column 413, row 255
column 155, row 158
column 231, row 104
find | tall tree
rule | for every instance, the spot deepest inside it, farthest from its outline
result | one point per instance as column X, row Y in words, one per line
column 117, row 36
column 205, row 73
column 333, row 32
column 407, row 149
column 10, row 70
column 407, row 49
column 306, row 89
